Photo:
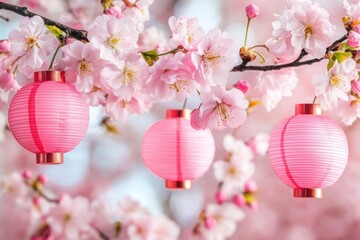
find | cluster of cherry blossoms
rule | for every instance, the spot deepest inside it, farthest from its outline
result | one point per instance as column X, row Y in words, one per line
column 114, row 70
column 40, row 216
column 236, row 188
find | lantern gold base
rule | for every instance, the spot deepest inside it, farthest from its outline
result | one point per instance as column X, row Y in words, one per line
column 185, row 184
column 49, row 158
column 308, row 192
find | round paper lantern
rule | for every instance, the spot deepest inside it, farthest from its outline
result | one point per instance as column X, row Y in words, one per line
column 175, row 151
column 48, row 117
column 308, row 151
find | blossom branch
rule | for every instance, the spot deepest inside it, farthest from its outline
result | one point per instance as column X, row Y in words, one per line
column 296, row 63
column 23, row 11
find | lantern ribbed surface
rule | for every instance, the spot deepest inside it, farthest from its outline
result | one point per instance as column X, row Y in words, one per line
column 48, row 117
column 176, row 152
column 308, row 151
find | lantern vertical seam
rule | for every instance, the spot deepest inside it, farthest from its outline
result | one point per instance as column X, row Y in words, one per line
column 283, row 158
column 32, row 118
column 178, row 149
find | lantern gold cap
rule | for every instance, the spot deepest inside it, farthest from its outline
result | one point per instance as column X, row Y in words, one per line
column 178, row 113
column 184, row 184
column 56, row 76
column 308, row 108
column 49, row 158
column 307, row 192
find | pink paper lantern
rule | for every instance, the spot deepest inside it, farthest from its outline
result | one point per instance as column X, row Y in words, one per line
column 175, row 151
column 48, row 117
column 308, row 151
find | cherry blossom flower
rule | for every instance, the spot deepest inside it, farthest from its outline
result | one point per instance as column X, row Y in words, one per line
column 275, row 85
column 237, row 170
column 303, row 25
column 126, row 76
column 225, row 218
column 163, row 229
column 31, row 44
column 120, row 108
column 279, row 44
column 151, row 38
column 354, row 37
column 82, row 64
column 220, row 109
column 137, row 11
column 214, row 58
column 252, row 10
column 310, row 29
column 352, row 8
column 335, row 84
column 185, row 32
column 70, row 218
column 113, row 37
column 96, row 96
column 349, row 111
column 259, row 144
column 171, row 77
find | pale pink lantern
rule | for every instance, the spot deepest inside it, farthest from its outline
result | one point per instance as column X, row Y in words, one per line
column 48, row 117
column 308, row 151
column 176, row 152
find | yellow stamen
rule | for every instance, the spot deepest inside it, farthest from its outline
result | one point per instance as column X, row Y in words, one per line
column 309, row 30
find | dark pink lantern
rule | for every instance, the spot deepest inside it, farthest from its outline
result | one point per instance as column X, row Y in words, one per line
column 308, row 151
column 48, row 117
column 176, row 152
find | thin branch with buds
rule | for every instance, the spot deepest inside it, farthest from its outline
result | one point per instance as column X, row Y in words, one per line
column 4, row 18
column 23, row 11
column 296, row 63
column 82, row 36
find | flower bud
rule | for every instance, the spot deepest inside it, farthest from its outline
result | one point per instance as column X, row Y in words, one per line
column 114, row 11
column 242, row 85
column 210, row 222
column 252, row 10
column 251, row 186
column 27, row 174
column 239, row 200
column 42, row 178
column 220, row 197
column 247, row 54
column 5, row 46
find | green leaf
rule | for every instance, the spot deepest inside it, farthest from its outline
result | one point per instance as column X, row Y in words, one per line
column 56, row 31
column 331, row 62
column 341, row 56
column 150, row 56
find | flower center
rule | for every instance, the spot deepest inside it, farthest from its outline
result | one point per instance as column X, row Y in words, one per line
column 122, row 103
column 95, row 89
column 30, row 42
column 85, row 67
column 129, row 76
column 179, row 85
column 67, row 217
column 232, row 171
column 339, row 82
column 309, row 30
column 115, row 41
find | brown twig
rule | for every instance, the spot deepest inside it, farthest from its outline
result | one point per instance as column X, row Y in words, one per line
column 23, row 11
column 296, row 63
